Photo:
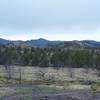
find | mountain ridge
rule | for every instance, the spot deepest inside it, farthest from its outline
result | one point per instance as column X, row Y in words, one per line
column 45, row 42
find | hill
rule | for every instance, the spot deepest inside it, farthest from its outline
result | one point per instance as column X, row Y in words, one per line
column 43, row 42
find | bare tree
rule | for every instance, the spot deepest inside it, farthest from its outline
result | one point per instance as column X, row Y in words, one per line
column 41, row 74
column 8, row 69
column 20, row 75
column 71, row 73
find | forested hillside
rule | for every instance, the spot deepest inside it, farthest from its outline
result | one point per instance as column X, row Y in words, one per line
column 50, row 56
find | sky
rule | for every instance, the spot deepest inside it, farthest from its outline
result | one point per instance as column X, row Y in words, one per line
column 50, row 19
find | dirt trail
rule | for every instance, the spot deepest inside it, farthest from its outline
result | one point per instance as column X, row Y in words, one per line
column 67, row 95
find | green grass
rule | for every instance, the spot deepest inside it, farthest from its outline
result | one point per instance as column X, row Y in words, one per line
column 96, row 86
column 12, row 87
column 25, row 98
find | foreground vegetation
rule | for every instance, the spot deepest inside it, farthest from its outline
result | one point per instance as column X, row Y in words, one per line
column 13, row 87
column 24, row 89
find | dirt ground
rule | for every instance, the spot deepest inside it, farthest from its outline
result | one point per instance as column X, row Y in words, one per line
column 66, row 95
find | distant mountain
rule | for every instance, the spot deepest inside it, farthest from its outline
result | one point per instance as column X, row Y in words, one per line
column 35, row 42
column 3, row 41
column 39, row 42
column 92, row 42
column 44, row 42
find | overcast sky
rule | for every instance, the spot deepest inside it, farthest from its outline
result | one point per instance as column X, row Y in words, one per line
column 50, row 19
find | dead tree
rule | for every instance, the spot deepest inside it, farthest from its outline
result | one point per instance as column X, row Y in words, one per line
column 70, row 71
column 8, row 69
column 20, row 75
column 41, row 74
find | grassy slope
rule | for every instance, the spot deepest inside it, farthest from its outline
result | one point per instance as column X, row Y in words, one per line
column 12, row 86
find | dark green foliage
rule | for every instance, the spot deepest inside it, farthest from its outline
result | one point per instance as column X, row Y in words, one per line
column 50, row 56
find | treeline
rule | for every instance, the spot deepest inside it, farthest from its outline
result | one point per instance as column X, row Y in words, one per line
column 49, row 57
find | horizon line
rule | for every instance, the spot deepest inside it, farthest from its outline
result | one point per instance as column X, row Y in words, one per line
column 48, row 39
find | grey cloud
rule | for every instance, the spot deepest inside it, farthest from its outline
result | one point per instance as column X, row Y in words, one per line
column 49, row 14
